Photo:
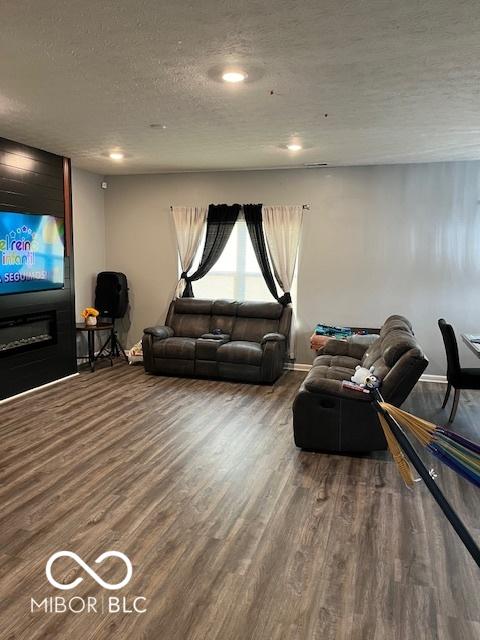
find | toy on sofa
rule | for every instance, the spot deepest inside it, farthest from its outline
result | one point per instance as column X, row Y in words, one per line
column 364, row 376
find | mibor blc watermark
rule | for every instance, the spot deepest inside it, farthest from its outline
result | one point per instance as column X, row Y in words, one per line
column 91, row 604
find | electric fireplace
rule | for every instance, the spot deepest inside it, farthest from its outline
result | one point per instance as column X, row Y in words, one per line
column 25, row 332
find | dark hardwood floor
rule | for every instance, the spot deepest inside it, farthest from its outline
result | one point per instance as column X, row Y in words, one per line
column 233, row 533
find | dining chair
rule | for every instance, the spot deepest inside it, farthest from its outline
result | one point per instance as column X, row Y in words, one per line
column 457, row 377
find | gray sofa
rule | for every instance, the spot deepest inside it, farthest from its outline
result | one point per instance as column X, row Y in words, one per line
column 329, row 417
column 219, row 339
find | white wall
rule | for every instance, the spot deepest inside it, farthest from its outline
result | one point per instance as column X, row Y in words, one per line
column 378, row 240
column 88, row 235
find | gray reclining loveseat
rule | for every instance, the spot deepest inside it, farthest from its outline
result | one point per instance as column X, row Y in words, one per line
column 221, row 339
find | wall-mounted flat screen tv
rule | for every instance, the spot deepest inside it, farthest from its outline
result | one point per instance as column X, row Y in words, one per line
column 31, row 252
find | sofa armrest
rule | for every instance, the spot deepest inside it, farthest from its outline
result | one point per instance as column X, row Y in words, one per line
column 402, row 377
column 159, row 332
column 273, row 337
column 344, row 348
column 273, row 358
column 147, row 349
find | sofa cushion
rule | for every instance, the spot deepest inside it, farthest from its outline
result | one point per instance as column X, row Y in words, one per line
column 224, row 308
column 224, row 323
column 333, row 373
column 240, row 352
column 372, row 354
column 190, row 325
column 206, row 348
column 345, row 362
column 395, row 344
column 347, row 347
column 253, row 329
column 179, row 348
column 223, row 317
column 380, row 369
column 394, row 323
column 270, row 310
column 328, row 380
column 193, row 306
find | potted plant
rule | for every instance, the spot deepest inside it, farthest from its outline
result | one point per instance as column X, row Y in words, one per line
column 90, row 316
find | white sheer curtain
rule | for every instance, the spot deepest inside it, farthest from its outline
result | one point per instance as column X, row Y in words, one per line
column 282, row 226
column 189, row 223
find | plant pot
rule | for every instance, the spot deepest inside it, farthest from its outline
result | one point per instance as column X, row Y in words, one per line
column 91, row 321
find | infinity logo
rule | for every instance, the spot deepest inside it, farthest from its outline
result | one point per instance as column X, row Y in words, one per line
column 97, row 578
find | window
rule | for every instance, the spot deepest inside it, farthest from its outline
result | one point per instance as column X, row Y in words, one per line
column 236, row 275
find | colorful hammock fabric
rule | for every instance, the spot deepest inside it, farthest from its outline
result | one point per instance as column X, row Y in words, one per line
column 458, row 453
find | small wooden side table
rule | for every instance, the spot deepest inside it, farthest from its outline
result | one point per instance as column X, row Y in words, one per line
column 91, row 331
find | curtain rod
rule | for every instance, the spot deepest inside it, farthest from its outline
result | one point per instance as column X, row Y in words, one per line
column 305, row 207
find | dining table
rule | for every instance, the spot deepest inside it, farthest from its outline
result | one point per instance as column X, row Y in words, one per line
column 471, row 342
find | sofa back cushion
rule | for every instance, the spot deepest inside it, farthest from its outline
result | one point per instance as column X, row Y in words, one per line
column 396, row 337
column 192, row 306
column 253, row 329
column 255, row 319
column 372, row 354
column 396, row 322
column 224, row 313
column 191, row 317
column 190, row 326
column 224, row 308
column 397, row 359
column 395, row 344
column 267, row 310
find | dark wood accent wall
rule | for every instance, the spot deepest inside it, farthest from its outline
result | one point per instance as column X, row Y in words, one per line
column 38, row 182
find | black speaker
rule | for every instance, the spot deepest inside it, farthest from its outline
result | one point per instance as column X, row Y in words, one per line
column 111, row 294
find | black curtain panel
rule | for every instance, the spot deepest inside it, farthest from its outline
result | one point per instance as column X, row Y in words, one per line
column 220, row 222
column 253, row 218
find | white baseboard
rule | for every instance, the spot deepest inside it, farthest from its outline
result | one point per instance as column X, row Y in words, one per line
column 426, row 377
column 293, row 366
column 42, row 386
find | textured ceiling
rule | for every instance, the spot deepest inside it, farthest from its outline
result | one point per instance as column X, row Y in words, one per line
column 399, row 80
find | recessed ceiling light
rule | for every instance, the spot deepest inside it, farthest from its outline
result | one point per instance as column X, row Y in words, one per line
column 294, row 147
column 117, row 155
column 234, row 76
